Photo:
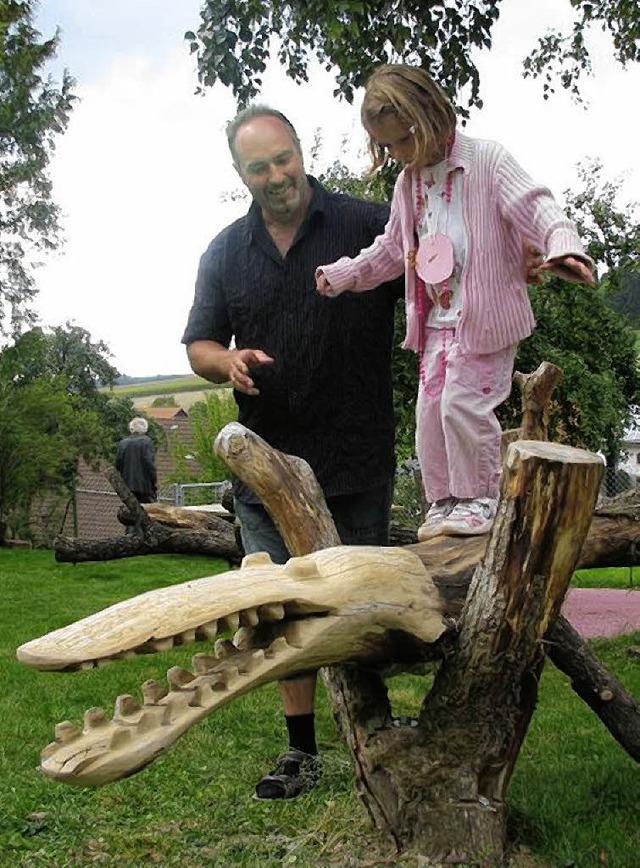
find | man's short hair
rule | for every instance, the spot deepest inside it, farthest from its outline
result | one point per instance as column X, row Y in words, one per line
column 259, row 110
column 138, row 425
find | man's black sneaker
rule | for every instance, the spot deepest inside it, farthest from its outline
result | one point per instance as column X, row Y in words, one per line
column 295, row 773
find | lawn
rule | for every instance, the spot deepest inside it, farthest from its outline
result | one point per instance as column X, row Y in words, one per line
column 573, row 800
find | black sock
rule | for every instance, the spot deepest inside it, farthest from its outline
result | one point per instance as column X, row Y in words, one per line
column 302, row 732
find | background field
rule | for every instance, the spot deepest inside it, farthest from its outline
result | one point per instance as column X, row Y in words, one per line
column 184, row 390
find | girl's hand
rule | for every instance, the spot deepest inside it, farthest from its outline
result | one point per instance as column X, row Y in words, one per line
column 570, row 268
column 324, row 287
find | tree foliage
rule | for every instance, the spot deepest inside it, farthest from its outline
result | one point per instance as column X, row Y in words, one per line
column 236, row 38
column 610, row 231
column 33, row 111
column 565, row 57
column 198, row 462
column 52, row 412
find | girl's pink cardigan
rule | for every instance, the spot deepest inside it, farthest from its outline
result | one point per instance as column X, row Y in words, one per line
column 501, row 206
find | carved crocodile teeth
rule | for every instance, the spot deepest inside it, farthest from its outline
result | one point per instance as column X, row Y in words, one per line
column 207, row 631
column 66, row 731
column 179, row 678
column 94, row 718
column 276, row 647
column 249, row 618
column 272, row 612
column 242, row 638
column 153, row 692
column 126, row 707
column 225, row 648
column 203, row 664
column 231, row 622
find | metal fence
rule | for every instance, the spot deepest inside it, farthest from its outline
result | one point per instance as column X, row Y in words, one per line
column 193, row 493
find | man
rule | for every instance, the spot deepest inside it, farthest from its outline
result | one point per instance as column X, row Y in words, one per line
column 311, row 376
column 136, row 462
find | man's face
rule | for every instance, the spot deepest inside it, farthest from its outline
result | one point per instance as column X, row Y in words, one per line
column 270, row 164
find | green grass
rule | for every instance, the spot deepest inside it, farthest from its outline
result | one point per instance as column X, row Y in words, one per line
column 607, row 577
column 574, row 795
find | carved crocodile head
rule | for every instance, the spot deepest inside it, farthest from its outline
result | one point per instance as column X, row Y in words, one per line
column 333, row 606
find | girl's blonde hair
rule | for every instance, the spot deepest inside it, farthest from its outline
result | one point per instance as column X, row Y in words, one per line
column 416, row 100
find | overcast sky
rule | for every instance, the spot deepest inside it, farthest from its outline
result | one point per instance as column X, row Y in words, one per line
column 144, row 179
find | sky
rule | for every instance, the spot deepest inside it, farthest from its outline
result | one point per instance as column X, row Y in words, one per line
column 144, row 179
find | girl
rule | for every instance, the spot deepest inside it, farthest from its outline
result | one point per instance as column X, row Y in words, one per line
column 460, row 211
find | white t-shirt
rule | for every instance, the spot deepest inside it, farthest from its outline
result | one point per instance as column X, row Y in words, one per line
column 446, row 218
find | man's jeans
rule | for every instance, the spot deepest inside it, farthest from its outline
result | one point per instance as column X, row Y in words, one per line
column 361, row 519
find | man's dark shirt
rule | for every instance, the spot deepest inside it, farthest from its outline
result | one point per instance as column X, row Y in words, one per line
column 327, row 397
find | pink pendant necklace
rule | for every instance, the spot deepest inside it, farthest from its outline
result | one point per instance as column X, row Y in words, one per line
column 434, row 258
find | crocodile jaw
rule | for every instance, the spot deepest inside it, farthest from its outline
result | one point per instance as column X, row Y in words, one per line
column 107, row 750
column 336, row 605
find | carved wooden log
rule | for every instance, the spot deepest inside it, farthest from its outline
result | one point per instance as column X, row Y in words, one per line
column 451, row 564
column 536, row 390
column 286, row 485
column 181, row 517
column 159, row 540
column 593, row 683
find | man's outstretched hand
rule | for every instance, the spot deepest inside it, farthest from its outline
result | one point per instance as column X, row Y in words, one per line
column 240, row 363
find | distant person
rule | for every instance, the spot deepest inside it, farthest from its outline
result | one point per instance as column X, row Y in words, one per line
column 136, row 462
column 460, row 210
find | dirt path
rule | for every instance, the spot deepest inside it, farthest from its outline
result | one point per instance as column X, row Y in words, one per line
column 602, row 612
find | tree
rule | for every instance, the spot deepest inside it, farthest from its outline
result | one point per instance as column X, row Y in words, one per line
column 565, row 57
column 627, row 300
column 198, row 462
column 52, row 412
column 33, row 111
column 35, row 424
column 610, row 231
column 235, row 40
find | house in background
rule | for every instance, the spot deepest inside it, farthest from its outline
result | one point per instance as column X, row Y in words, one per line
column 176, row 425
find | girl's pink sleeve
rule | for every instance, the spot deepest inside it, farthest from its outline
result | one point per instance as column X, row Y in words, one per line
column 382, row 261
column 533, row 210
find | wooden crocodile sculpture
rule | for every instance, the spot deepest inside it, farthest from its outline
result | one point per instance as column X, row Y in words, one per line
column 336, row 605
